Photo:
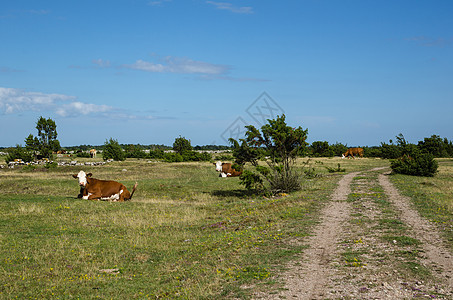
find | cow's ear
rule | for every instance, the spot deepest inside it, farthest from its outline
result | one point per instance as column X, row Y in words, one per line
column 74, row 175
column 89, row 175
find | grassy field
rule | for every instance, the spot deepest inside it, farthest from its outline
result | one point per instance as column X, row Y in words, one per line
column 186, row 233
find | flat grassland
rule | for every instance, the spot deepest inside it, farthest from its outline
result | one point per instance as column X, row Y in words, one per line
column 186, row 233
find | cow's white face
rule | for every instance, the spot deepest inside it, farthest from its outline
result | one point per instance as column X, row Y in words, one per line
column 82, row 177
column 218, row 166
column 342, row 156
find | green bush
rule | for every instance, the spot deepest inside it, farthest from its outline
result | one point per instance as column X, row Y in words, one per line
column 338, row 149
column 51, row 165
column 112, row 150
column 18, row 153
column 335, row 170
column 156, row 154
column 414, row 162
column 135, row 152
column 186, row 156
column 321, row 149
column 173, row 157
column 83, row 154
column 390, row 151
column 437, row 146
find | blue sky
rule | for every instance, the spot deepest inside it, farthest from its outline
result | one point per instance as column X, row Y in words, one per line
column 352, row 71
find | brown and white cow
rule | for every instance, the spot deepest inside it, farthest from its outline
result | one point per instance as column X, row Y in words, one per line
column 352, row 152
column 226, row 169
column 95, row 189
column 93, row 153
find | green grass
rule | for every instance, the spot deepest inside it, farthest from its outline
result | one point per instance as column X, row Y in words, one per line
column 432, row 196
column 186, row 233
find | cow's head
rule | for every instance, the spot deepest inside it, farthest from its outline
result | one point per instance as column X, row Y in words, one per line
column 82, row 177
column 342, row 156
column 218, row 166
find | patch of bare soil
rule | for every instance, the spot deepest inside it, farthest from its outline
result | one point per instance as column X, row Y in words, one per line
column 369, row 244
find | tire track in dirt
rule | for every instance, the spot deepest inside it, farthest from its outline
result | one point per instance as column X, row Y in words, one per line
column 437, row 255
column 307, row 279
column 320, row 272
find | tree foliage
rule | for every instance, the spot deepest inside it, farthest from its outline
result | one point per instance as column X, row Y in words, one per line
column 321, row 149
column 112, row 150
column 182, row 145
column 437, row 146
column 278, row 144
column 46, row 142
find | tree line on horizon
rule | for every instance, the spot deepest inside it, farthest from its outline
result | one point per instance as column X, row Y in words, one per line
column 45, row 144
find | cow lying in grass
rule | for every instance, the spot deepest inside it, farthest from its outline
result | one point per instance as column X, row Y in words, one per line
column 226, row 169
column 95, row 189
column 352, row 152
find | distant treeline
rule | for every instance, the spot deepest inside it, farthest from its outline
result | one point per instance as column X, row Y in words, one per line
column 435, row 145
column 151, row 147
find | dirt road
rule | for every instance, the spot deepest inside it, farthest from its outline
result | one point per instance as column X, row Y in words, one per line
column 370, row 244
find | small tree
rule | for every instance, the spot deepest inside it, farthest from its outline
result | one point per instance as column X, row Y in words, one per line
column 184, row 152
column 112, row 150
column 279, row 145
column 182, row 145
column 46, row 142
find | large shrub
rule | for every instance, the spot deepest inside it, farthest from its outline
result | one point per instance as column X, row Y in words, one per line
column 18, row 153
column 414, row 162
column 112, row 150
column 279, row 145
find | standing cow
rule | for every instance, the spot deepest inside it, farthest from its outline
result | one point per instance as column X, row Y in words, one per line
column 226, row 169
column 95, row 189
column 353, row 152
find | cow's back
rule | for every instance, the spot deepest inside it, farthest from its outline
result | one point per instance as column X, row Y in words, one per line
column 107, row 188
column 228, row 169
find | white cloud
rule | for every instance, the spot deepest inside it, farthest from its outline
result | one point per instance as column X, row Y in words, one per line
column 16, row 101
column 101, row 63
column 79, row 108
column 158, row 3
column 430, row 41
column 179, row 65
column 228, row 6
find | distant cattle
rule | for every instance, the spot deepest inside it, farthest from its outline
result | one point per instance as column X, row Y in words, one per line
column 226, row 170
column 95, row 189
column 93, row 153
column 353, row 152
